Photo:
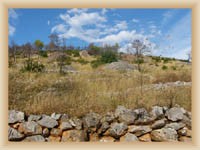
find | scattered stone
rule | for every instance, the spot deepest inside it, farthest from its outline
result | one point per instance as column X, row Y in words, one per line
column 77, row 123
column 55, row 116
column 74, row 136
column 174, row 114
column 164, row 134
column 34, row 138
column 56, row 132
column 128, row 137
column 175, row 125
column 120, row 65
column 158, row 124
column 145, row 138
column 65, row 125
column 16, row 125
column 118, row 129
column 64, row 117
column 157, row 112
column 15, row 116
column 144, row 121
column 109, row 117
column 139, row 130
column 48, row 122
column 30, row 128
column 107, row 139
column 187, row 121
column 34, row 117
column 185, row 139
column 185, row 132
column 91, row 120
column 14, row 135
column 45, row 132
column 54, row 139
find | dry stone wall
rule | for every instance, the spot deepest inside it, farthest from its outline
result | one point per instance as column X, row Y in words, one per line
column 161, row 124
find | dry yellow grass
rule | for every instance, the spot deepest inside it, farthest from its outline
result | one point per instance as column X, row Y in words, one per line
column 95, row 90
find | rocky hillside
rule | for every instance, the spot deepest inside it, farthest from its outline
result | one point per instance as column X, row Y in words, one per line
column 129, row 125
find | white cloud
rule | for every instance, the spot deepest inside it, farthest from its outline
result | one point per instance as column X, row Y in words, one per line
column 168, row 15
column 48, row 22
column 77, row 10
column 104, row 10
column 135, row 20
column 59, row 28
column 12, row 15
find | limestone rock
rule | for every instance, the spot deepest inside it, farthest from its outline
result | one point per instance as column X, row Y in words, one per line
column 164, row 134
column 55, row 116
column 65, row 125
column 158, row 124
column 109, row 117
column 56, row 132
column 186, row 120
column 103, row 127
column 118, row 129
column 175, row 114
column 64, row 117
column 48, row 122
column 14, row 135
column 139, row 130
column 74, row 136
column 15, row 116
column 30, row 128
column 128, row 137
column 34, row 117
column 157, row 112
column 175, row 125
column 145, row 138
column 34, row 138
column 107, row 139
column 77, row 123
column 91, row 120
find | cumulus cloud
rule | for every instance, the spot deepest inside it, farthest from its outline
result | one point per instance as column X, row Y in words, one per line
column 12, row 15
column 135, row 20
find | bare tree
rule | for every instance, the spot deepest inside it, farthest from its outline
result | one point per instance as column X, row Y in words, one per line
column 189, row 56
column 54, row 41
column 12, row 50
column 62, row 57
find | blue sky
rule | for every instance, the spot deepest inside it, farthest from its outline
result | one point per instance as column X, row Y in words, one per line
column 167, row 30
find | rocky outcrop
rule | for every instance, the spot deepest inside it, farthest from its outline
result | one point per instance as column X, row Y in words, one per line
column 161, row 124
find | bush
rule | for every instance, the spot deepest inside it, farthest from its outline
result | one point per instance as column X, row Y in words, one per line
column 108, row 57
column 173, row 67
column 82, row 61
column 94, row 50
column 33, row 66
column 43, row 53
column 156, row 59
column 164, row 67
column 74, row 53
column 139, row 61
column 96, row 63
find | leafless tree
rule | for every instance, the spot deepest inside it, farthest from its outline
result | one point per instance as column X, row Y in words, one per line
column 12, row 50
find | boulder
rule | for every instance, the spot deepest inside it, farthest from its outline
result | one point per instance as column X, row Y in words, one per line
column 157, row 112
column 65, row 125
column 48, row 122
column 56, row 132
column 14, row 135
column 139, row 130
column 77, row 123
column 103, row 128
column 74, row 136
column 158, row 124
column 34, row 117
column 164, row 135
column 107, row 139
column 91, row 120
column 109, row 117
column 186, row 120
column 128, row 137
column 64, row 117
column 15, row 116
column 120, row 65
column 143, row 117
column 34, row 138
column 55, row 116
column 175, row 125
column 30, row 128
column 185, row 132
column 174, row 114
column 145, row 138
column 117, row 129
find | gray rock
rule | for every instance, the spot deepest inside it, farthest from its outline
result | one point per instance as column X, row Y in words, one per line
column 117, row 129
column 14, row 135
column 146, row 120
column 158, row 124
column 91, row 120
column 103, row 128
column 77, row 123
column 128, row 137
column 187, row 121
column 109, row 117
column 55, row 116
column 139, row 130
column 48, row 122
column 157, row 112
column 164, row 134
column 65, row 125
column 64, row 117
column 15, row 116
column 34, row 138
column 125, row 115
column 175, row 125
column 120, row 65
column 174, row 114
column 34, row 117
column 74, row 136
column 45, row 132
column 141, row 112
column 30, row 128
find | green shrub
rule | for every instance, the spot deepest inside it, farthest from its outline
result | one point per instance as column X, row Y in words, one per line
column 33, row 66
column 108, row 57
column 156, row 59
column 96, row 63
column 94, row 50
column 173, row 67
column 164, row 67
column 139, row 61
column 82, row 61
column 43, row 53
column 74, row 53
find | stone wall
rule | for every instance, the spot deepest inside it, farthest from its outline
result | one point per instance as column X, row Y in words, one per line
column 160, row 124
